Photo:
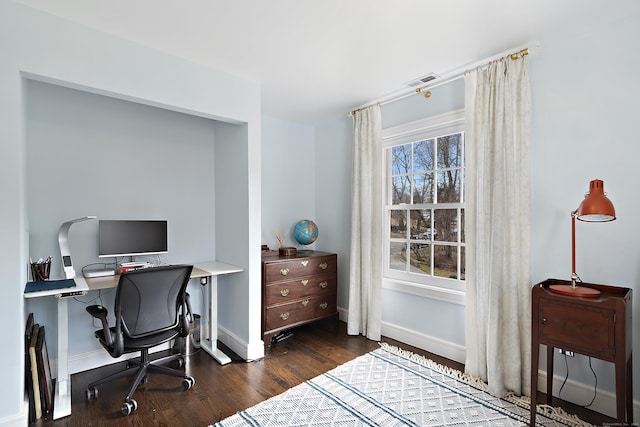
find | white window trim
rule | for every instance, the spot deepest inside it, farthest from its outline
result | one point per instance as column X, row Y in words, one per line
column 431, row 127
column 447, row 123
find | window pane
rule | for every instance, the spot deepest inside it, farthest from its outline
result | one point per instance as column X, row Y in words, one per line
column 445, row 221
column 420, row 258
column 401, row 159
column 401, row 190
column 398, row 224
column 398, row 256
column 426, row 239
column 423, row 156
column 420, row 224
column 449, row 186
column 423, row 191
column 445, row 261
column 450, row 151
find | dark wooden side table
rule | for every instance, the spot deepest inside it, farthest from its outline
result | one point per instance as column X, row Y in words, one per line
column 596, row 327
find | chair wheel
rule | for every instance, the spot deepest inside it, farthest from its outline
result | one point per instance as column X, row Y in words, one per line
column 91, row 393
column 129, row 406
column 188, row 382
column 179, row 363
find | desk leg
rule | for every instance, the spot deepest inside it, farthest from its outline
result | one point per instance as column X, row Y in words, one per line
column 62, row 402
column 210, row 345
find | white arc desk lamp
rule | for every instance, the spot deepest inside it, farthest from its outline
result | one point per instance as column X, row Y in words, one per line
column 63, row 242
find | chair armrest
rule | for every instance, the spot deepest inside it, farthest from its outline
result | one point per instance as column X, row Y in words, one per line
column 99, row 312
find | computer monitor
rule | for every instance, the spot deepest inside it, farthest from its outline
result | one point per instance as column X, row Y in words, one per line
column 118, row 238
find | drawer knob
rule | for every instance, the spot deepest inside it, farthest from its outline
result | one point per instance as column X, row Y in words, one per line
column 284, row 292
column 284, row 271
column 305, row 302
column 304, row 262
column 323, row 285
column 324, row 305
column 324, row 265
column 304, row 282
column 284, row 316
column 543, row 321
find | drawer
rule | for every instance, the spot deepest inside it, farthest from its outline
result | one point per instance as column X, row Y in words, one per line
column 299, row 267
column 300, row 311
column 585, row 329
column 283, row 292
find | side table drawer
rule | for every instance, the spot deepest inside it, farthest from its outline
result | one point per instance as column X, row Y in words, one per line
column 301, row 310
column 587, row 330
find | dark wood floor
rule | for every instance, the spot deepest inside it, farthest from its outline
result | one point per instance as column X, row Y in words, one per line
column 221, row 391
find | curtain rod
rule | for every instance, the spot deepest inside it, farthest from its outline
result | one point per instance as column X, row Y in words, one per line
column 448, row 77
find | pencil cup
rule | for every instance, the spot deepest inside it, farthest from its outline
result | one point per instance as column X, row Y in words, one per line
column 40, row 270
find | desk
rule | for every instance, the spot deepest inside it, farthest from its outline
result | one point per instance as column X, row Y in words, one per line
column 62, row 405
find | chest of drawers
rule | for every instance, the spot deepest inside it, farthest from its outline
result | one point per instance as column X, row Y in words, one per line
column 297, row 289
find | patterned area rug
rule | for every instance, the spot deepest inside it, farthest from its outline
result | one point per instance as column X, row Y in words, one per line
column 393, row 387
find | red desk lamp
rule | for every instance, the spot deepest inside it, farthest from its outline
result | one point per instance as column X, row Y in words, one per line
column 595, row 207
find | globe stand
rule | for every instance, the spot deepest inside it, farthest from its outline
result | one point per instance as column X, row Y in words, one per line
column 288, row 251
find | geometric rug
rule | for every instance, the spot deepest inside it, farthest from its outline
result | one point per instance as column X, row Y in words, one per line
column 393, row 387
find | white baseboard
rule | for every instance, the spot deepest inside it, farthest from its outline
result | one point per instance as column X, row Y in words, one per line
column 581, row 394
column 428, row 343
column 247, row 351
column 21, row 419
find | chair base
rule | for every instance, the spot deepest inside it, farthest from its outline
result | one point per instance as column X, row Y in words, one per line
column 141, row 368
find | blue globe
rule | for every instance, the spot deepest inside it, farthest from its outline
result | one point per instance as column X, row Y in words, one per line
column 305, row 232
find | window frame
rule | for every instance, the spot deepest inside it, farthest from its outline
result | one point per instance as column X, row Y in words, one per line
column 449, row 290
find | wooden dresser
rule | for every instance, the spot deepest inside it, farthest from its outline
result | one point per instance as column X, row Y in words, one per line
column 297, row 289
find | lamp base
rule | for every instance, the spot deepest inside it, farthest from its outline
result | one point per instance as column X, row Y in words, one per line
column 578, row 291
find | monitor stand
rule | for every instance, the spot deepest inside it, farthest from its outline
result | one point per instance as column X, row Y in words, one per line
column 104, row 272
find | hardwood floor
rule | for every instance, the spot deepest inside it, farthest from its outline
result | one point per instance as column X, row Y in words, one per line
column 221, row 391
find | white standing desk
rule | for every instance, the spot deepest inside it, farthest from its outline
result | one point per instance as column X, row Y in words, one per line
column 62, row 402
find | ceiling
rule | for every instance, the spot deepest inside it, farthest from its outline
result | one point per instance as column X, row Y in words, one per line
column 316, row 60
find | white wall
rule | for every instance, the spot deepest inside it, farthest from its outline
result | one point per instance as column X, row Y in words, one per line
column 288, row 181
column 36, row 46
column 584, row 126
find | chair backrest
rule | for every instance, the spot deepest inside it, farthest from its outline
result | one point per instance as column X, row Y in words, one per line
column 148, row 301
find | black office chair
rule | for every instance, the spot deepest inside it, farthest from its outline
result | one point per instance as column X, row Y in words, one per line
column 150, row 309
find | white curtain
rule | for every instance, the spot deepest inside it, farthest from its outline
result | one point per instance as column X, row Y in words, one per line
column 498, row 226
column 365, row 272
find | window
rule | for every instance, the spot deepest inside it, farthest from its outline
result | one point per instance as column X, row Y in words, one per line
column 424, row 204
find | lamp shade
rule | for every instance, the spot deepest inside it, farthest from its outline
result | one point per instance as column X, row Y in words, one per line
column 596, row 207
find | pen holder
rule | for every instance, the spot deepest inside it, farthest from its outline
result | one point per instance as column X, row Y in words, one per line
column 40, row 270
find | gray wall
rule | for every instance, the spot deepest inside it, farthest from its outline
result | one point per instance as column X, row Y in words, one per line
column 92, row 155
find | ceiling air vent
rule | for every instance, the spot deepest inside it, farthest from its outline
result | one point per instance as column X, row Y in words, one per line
column 423, row 80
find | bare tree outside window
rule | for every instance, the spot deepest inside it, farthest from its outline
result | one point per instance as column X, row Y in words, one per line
column 426, row 210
